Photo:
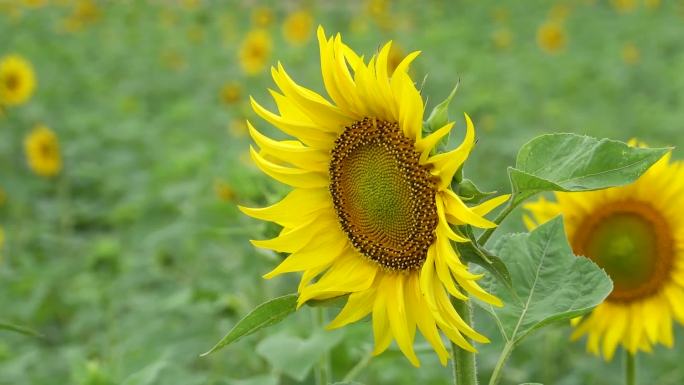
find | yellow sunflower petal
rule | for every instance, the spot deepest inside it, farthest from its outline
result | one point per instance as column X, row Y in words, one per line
column 358, row 305
column 304, row 202
column 290, row 176
column 455, row 207
column 448, row 163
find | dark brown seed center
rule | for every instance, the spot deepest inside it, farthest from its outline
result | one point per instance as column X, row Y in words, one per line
column 383, row 196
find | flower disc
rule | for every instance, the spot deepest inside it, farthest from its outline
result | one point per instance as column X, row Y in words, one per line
column 383, row 196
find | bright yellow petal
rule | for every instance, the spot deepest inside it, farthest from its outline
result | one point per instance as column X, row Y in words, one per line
column 296, row 208
column 446, row 164
column 291, row 176
column 455, row 207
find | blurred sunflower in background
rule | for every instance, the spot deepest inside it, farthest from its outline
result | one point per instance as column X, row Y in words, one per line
column 551, row 37
column 371, row 210
column 230, row 93
column 262, row 17
column 255, row 51
column 635, row 233
column 298, row 26
column 42, row 151
column 17, row 80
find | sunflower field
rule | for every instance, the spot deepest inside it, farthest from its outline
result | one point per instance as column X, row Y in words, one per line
column 364, row 192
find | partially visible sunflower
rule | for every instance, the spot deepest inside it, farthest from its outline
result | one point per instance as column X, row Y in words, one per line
column 372, row 207
column 42, row 151
column 262, row 17
column 298, row 26
column 255, row 51
column 635, row 233
column 17, row 80
column 551, row 37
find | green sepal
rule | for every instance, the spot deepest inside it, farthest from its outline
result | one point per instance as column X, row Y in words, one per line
column 471, row 252
column 469, row 192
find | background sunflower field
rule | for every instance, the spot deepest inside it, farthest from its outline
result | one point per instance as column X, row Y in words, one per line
column 124, row 250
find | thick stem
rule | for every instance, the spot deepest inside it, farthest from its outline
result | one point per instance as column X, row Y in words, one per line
column 500, row 363
column 630, row 368
column 465, row 367
column 356, row 370
column 322, row 370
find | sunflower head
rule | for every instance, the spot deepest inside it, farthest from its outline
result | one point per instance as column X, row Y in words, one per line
column 17, row 80
column 42, row 151
column 371, row 211
column 551, row 37
column 633, row 233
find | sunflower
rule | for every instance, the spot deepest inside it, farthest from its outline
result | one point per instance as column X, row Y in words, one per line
column 255, row 51
column 551, row 37
column 230, row 93
column 17, row 80
column 42, row 151
column 635, row 233
column 297, row 27
column 371, row 208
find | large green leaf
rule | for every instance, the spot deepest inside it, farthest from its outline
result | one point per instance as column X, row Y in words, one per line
column 569, row 162
column 550, row 283
column 295, row 356
column 268, row 313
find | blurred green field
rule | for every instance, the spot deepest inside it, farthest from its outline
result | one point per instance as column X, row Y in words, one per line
column 134, row 259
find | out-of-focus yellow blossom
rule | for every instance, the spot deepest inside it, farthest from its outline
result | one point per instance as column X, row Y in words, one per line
column 500, row 14
column 502, row 38
column 624, row 6
column 255, row 51
column 35, row 3
column 167, row 18
column 230, row 93
column 379, row 10
column 42, row 151
column 191, row 4
column 551, row 37
column 196, row 34
column 652, row 4
column 2, row 240
column 298, row 26
column 17, row 80
column 262, row 17
column 223, row 191
column 85, row 12
column 630, row 54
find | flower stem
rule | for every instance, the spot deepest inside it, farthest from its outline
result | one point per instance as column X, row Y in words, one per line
column 464, row 365
column 322, row 370
column 354, row 372
column 500, row 363
column 630, row 368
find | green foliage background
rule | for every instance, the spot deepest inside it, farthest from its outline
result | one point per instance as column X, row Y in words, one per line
column 130, row 265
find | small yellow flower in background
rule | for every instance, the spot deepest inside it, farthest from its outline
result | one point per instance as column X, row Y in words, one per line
column 500, row 14
column 173, row 60
column 379, row 10
column 196, row 34
column 35, row 3
column 17, row 80
column 652, row 4
column 42, row 151
column 255, row 51
column 551, row 37
column 630, row 54
column 2, row 238
column 502, row 38
column 624, row 6
column 223, row 191
column 262, row 17
column 298, row 26
column 230, row 93
column 635, row 233
column 191, row 4
column 85, row 12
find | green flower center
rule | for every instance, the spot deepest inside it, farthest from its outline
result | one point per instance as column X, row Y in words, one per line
column 383, row 196
column 633, row 243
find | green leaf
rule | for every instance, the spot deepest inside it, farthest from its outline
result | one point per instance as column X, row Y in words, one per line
column 550, row 283
column 295, row 356
column 440, row 114
column 481, row 257
column 335, row 302
column 470, row 193
column 267, row 314
column 569, row 162
column 19, row 329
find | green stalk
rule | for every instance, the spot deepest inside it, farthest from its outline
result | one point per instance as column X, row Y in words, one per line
column 630, row 368
column 322, row 370
column 500, row 363
column 465, row 367
column 513, row 202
